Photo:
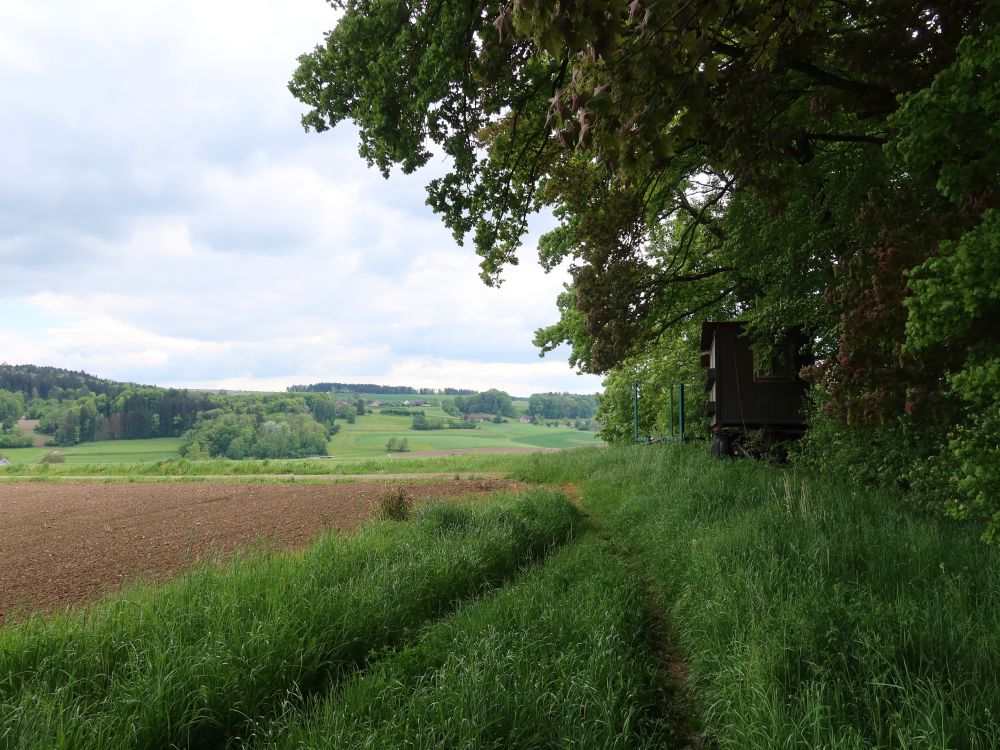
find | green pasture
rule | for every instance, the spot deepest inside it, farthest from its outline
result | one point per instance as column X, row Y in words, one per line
column 24, row 455
column 368, row 436
column 364, row 439
column 521, row 404
column 103, row 452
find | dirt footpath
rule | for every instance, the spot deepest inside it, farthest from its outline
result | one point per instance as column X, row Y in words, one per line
column 65, row 543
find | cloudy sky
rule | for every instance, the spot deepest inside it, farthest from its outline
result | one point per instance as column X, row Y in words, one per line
column 165, row 219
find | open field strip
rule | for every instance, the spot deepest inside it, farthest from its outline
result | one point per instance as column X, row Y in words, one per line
column 196, row 662
column 103, row 452
column 811, row 613
column 382, row 466
column 559, row 658
column 365, row 439
column 412, row 476
column 64, row 544
column 368, row 436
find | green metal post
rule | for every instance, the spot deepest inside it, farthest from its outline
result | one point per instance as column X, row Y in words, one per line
column 635, row 410
column 671, row 420
column 680, row 416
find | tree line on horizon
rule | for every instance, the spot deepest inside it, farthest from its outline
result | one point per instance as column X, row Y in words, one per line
column 74, row 407
column 373, row 389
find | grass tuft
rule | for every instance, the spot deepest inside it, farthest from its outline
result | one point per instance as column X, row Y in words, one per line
column 394, row 505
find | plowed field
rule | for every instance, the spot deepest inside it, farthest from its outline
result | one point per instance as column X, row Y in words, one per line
column 65, row 543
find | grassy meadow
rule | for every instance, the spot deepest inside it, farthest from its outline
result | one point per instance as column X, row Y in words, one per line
column 103, row 452
column 365, row 439
column 368, row 436
column 689, row 600
column 559, row 657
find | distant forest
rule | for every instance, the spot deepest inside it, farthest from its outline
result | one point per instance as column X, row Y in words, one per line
column 75, row 407
column 372, row 388
column 562, row 406
column 33, row 381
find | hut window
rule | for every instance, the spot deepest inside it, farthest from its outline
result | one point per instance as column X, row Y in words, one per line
column 778, row 368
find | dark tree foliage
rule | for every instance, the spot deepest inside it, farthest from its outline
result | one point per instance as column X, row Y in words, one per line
column 828, row 166
column 238, row 436
column 33, row 381
column 11, row 409
column 562, row 406
column 322, row 407
column 690, row 148
column 422, row 422
column 395, row 411
column 487, row 402
column 79, row 408
column 76, row 407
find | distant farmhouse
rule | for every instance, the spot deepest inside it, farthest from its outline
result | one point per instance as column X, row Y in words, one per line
column 479, row 417
column 4, row 461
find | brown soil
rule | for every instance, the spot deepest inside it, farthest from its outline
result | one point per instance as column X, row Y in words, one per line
column 66, row 543
column 28, row 428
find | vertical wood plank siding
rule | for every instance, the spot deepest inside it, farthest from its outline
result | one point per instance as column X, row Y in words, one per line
column 739, row 399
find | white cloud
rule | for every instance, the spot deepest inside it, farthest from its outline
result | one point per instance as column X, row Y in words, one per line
column 163, row 217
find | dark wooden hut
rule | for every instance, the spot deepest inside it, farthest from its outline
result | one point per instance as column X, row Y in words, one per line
column 746, row 394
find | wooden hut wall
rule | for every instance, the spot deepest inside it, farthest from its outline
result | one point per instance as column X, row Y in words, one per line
column 739, row 398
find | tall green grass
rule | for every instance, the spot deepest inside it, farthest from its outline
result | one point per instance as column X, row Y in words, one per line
column 182, row 467
column 560, row 658
column 195, row 662
column 811, row 613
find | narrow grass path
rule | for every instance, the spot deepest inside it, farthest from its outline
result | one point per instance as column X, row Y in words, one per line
column 810, row 613
column 677, row 705
column 560, row 657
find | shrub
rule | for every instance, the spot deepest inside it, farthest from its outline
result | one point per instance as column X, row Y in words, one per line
column 53, row 457
column 397, row 445
column 394, row 505
column 401, row 412
column 15, row 440
column 875, row 454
